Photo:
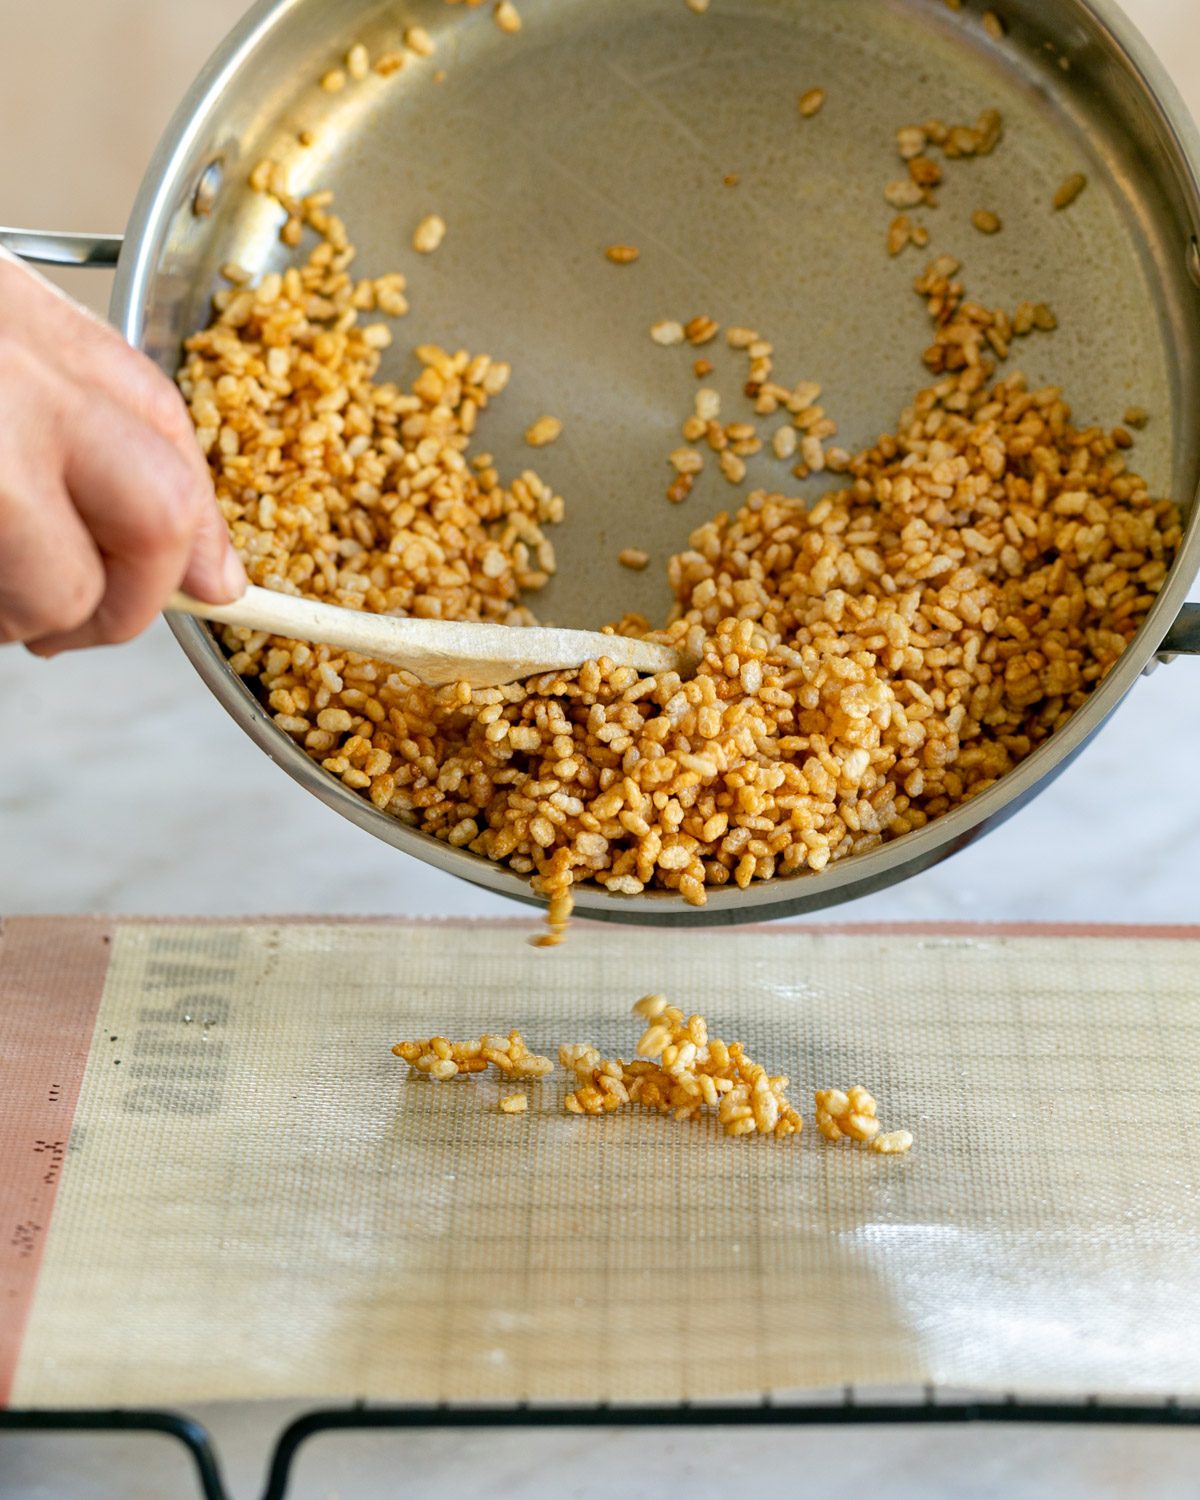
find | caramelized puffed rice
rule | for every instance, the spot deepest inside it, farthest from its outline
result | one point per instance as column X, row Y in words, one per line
column 852, row 1115
column 846, row 1114
column 443, row 1060
column 894, row 1143
column 700, row 329
column 429, row 234
column 865, row 665
column 544, row 431
column 681, row 1071
column 1069, row 190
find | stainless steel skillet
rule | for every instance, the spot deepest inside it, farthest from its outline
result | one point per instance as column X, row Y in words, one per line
column 618, row 120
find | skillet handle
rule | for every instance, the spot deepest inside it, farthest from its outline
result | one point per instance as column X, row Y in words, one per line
column 1183, row 638
column 49, row 248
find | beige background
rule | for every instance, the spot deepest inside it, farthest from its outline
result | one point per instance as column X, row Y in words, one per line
column 85, row 88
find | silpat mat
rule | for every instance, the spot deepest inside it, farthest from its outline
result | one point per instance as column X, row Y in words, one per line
column 217, row 1182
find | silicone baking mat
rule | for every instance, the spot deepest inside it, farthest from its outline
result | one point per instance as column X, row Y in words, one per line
column 218, row 1183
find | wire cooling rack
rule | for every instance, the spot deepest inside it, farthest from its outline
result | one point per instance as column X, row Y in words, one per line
column 926, row 1409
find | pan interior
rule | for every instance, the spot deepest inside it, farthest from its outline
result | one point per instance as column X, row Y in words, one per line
column 605, row 122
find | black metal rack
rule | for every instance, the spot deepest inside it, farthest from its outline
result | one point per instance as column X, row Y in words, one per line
column 766, row 1413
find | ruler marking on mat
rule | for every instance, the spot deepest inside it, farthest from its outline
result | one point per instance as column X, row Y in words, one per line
column 52, row 973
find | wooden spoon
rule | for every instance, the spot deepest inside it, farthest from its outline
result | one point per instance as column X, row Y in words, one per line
column 436, row 651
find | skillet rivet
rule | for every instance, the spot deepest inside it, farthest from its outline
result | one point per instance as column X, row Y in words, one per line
column 207, row 188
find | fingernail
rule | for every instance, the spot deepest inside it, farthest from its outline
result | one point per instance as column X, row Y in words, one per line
column 233, row 575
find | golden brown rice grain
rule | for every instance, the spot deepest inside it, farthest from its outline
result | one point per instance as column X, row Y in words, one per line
column 389, row 63
column 686, row 460
column 985, row 221
column 732, row 467
column 622, row 255
column 667, row 332
column 418, row 40
column 429, row 234
column 910, row 141
column 545, row 430
column 894, row 1143
column 700, row 330
column 334, row 81
column 1136, row 416
column 707, row 403
column 514, row 1104
column 507, row 17
column 904, row 193
column 697, row 6
column 633, row 557
column 702, row 368
column 925, row 172
column 899, row 234
column 993, row 25
column 811, row 101
column 358, row 62
column 1069, row 190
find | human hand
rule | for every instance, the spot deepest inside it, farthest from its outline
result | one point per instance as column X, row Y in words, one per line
column 106, row 503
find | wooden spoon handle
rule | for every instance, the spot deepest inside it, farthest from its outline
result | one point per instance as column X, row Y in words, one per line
column 436, row 651
column 296, row 618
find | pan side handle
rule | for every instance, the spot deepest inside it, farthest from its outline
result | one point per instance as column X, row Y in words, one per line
column 47, row 247
column 1183, row 638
